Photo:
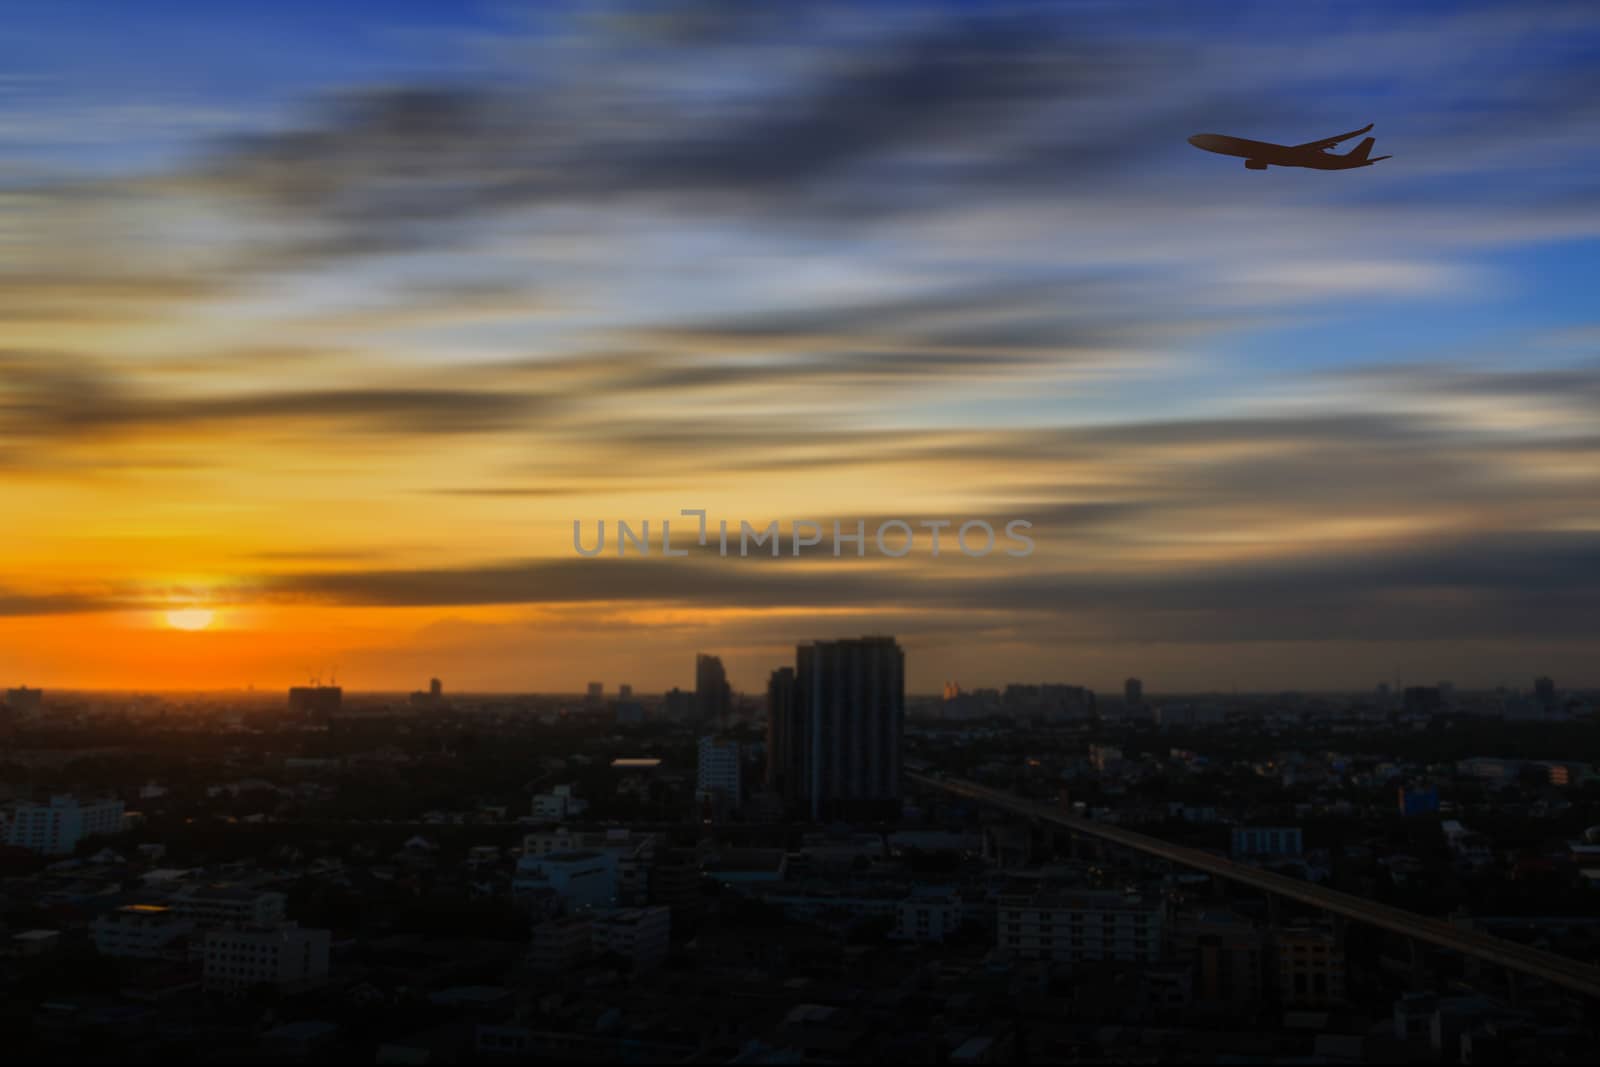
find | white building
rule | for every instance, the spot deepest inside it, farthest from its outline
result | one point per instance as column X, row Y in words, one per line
column 141, row 931
column 639, row 935
column 560, row 803
column 581, row 880
column 1080, row 927
column 930, row 913
column 284, row 956
column 54, row 829
column 218, row 905
column 635, row 853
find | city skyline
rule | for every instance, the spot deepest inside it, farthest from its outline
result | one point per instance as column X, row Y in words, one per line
column 323, row 329
column 865, row 531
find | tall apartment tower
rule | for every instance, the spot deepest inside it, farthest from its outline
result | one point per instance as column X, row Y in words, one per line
column 849, row 717
column 783, row 734
column 712, row 693
column 719, row 786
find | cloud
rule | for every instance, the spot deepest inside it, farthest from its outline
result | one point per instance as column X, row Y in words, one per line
column 79, row 297
column 1493, row 586
column 907, row 256
column 14, row 604
column 58, row 397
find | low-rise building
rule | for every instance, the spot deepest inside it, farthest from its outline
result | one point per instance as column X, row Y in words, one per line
column 1104, row 757
column 559, row 944
column 284, row 956
column 141, row 931
column 1228, row 954
column 1310, row 967
column 634, row 852
column 1076, row 927
column 562, row 802
column 1469, row 847
column 54, row 829
column 580, row 879
column 930, row 913
column 1491, row 769
column 219, row 905
column 1266, row 841
column 639, row 935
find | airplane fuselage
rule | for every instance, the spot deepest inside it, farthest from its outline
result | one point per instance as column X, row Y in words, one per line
column 1258, row 155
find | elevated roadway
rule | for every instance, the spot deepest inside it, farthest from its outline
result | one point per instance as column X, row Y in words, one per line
column 1546, row 966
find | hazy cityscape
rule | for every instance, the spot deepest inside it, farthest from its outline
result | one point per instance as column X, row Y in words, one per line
column 712, row 875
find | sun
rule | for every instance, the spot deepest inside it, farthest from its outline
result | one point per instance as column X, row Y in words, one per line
column 190, row 618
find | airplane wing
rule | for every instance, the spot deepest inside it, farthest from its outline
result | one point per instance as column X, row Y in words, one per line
column 1329, row 142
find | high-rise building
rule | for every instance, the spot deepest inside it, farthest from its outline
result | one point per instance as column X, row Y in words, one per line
column 783, row 733
column 1133, row 692
column 850, row 714
column 677, row 705
column 315, row 703
column 712, row 694
column 1544, row 691
column 431, row 698
column 718, row 780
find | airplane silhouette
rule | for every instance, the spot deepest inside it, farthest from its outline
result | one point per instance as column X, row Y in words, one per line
column 1259, row 155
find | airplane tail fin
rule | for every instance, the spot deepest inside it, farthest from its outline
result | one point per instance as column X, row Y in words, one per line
column 1359, row 152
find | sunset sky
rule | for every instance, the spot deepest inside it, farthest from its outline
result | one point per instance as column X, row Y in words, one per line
column 329, row 320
